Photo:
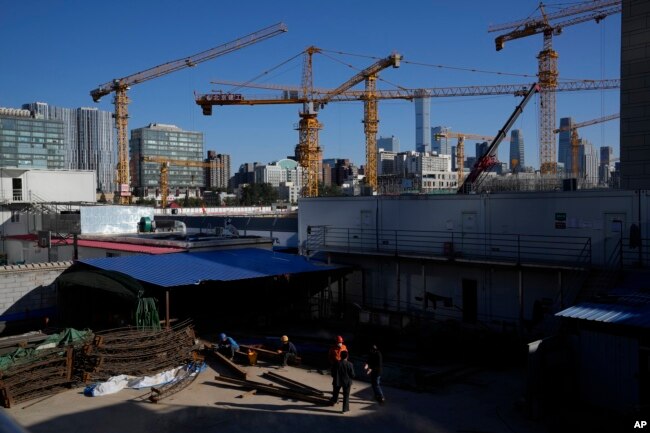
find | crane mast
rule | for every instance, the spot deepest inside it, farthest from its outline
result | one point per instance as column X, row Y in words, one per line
column 121, row 85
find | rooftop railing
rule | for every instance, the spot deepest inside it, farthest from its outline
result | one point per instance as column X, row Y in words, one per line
column 570, row 251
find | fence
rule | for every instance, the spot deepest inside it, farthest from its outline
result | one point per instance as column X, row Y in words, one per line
column 510, row 248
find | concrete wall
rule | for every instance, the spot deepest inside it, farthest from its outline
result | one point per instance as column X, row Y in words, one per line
column 26, row 290
column 635, row 95
column 588, row 214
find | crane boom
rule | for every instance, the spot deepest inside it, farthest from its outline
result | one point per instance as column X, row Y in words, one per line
column 588, row 123
column 186, row 62
column 121, row 101
column 290, row 96
column 489, row 159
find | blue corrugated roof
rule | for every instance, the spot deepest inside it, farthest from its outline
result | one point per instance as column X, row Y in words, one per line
column 182, row 269
column 635, row 314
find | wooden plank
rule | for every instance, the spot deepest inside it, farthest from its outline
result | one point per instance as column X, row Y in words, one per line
column 238, row 371
column 292, row 384
column 274, row 390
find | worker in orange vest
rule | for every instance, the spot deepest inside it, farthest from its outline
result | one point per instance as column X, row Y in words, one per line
column 334, row 356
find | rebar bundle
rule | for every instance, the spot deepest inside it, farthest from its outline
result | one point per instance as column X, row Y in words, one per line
column 98, row 357
column 136, row 352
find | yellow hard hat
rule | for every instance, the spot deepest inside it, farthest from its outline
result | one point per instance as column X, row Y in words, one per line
column 284, row 338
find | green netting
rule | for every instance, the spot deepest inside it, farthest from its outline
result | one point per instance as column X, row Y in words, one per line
column 146, row 315
column 64, row 338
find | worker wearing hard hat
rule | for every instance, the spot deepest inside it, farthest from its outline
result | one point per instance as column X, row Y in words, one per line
column 334, row 357
column 227, row 346
column 287, row 350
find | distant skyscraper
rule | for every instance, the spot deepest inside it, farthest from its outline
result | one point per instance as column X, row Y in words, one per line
column 604, row 170
column 588, row 162
column 218, row 174
column 517, row 162
column 481, row 149
column 440, row 144
column 89, row 137
column 423, row 124
column 389, row 144
column 564, row 148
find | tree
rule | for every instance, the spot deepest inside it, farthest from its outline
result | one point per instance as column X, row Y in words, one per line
column 329, row 191
column 258, row 194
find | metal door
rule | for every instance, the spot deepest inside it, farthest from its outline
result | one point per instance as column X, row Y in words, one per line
column 614, row 232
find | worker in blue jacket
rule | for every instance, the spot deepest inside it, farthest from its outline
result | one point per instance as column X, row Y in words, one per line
column 227, row 346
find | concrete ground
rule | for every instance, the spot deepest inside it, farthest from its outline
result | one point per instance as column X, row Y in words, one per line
column 484, row 403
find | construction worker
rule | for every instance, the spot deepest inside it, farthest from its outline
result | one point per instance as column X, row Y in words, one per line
column 373, row 368
column 227, row 346
column 287, row 350
column 334, row 356
column 342, row 379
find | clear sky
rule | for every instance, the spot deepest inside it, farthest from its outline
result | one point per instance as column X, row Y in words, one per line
column 56, row 51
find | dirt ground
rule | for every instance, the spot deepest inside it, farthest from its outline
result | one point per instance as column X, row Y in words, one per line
column 485, row 402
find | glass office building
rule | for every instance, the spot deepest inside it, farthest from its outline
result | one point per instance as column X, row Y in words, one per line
column 26, row 142
column 173, row 143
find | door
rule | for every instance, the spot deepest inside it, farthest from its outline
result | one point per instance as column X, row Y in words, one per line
column 470, row 301
column 367, row 238
column 17, row 187
column 614, row 232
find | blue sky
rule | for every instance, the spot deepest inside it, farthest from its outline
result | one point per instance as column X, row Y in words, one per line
column 57, row 51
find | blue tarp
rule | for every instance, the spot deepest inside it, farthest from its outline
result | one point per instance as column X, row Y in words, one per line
column 182, row 269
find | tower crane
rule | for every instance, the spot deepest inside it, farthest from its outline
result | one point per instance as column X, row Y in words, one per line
column 308, row 151
column 296, row 95
column 460, row 149
column 575, row 139
column 119, row 86
column 547, row 60
column 164, row 171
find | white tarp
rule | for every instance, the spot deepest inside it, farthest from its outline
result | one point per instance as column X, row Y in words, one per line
column 118, row 383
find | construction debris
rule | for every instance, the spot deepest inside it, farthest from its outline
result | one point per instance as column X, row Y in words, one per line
column 182, row 381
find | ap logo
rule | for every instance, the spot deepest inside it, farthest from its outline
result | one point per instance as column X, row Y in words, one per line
column 640, row 424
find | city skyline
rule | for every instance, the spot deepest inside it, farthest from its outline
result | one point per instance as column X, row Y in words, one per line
column 62, row 74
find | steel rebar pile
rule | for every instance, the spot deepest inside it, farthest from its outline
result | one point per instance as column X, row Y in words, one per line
column 136, row 352
column 48, row 372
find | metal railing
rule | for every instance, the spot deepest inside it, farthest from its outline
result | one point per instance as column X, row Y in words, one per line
column 637, row 256
column 509, row 248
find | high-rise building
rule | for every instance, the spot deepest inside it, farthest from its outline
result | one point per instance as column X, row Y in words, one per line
column 28, row 142
column 167, row 141
column 481, row 149
column 517, row 162
column 386, row 163
column 423, row 124
column 89, row 137
column 218, row 174
column 605, row 169
column 439, row 142
column 326, row 175
column 588, row 162
column 564, row 148
column 389, row 144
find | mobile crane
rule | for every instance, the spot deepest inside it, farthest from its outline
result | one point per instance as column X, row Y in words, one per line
column 487, row 161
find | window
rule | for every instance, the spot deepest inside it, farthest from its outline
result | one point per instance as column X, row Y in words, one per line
column 15, row 216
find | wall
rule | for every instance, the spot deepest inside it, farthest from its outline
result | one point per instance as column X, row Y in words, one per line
column 588, row 214
column 26, row 291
